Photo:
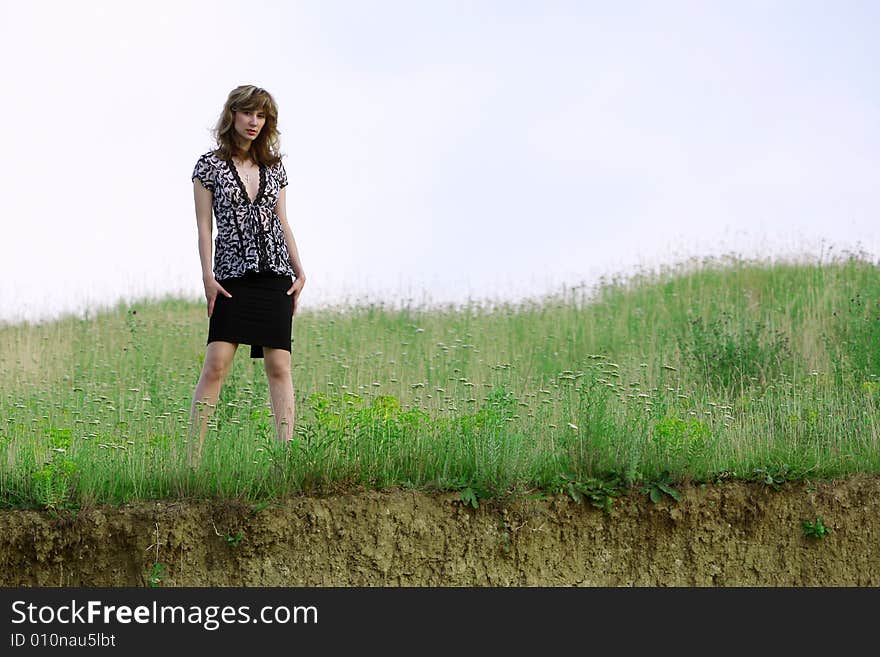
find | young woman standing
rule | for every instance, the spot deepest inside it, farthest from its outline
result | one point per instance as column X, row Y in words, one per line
column 253, row 289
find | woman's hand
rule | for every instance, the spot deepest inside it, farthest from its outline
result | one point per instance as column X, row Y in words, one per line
column 295, row 289
column 212, row 288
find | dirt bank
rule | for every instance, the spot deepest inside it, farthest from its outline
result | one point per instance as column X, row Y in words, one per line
column 733, row 534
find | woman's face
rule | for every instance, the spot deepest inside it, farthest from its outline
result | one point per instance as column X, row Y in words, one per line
column 249, row 123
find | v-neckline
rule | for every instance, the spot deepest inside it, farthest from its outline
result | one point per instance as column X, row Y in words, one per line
column 241, row 186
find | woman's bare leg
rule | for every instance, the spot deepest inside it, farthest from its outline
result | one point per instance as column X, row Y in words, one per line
column 218, row 359
column 277, row 364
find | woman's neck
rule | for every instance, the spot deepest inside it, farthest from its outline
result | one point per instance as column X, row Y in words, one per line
column 243, row 156
column 243, row 150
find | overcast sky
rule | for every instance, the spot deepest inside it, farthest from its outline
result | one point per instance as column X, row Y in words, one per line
column 436, row 150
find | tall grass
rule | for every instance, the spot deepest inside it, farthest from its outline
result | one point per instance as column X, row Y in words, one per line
column 711, row 369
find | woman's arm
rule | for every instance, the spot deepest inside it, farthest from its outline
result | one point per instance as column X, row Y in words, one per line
column 204, row 199
column 281, row 211
column 298, row 272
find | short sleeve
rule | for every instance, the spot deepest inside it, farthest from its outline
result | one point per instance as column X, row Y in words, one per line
column 282, row 175
column 204, row 172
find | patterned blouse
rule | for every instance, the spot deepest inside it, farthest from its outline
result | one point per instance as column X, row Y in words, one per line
column 249, row 234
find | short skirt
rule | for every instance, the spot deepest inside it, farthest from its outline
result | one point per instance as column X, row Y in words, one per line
column 259, row 313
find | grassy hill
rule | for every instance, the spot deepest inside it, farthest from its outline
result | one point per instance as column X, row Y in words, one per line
column 708, row 370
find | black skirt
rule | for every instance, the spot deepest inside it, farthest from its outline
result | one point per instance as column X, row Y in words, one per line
column 259, row 313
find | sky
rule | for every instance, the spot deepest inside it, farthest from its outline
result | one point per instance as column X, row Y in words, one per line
column 437, row 152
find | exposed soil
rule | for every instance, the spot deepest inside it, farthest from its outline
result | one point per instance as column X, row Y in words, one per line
column 733, row 534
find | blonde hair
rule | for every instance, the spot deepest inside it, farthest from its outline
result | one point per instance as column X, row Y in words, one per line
column 247, row 97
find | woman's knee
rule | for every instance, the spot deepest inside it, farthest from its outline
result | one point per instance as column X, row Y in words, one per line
column 277, row 363
column 218, row 360
column 278, row 371
column 214, row 371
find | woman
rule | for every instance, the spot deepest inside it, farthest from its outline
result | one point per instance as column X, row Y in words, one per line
column 254, row 287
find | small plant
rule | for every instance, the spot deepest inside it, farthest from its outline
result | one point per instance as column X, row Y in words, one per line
column 469, row 496
column 506, row 531
column 657, row 488
column 775, row 475
column 680, row 435
column 726, row 351
column 52, row 483
column 815, row 529
column 235, row 539
column 260, row 506
column 469, row 492
column 156, row 574
column 599, row 492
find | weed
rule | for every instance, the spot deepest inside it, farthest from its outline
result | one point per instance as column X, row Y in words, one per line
column 815, row 529
column 156, row 574
column 855, row 332
column 599, row 492
column 774, row 475
column 469, row 496
column 505, row 535
column 678, row 437
column 260, row 506
column 235, row 539
column 469, row 492
column 655, row 489
column 726, row 356
column 51, row 483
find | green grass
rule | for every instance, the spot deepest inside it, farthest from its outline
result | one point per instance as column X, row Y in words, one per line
column 708, row 370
